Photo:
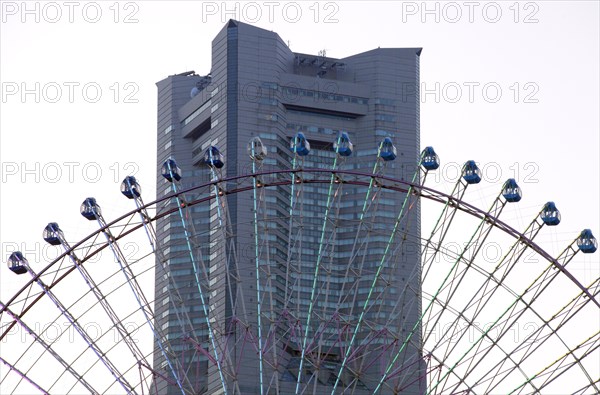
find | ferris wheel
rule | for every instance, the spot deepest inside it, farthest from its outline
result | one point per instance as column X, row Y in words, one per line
column 318, row 292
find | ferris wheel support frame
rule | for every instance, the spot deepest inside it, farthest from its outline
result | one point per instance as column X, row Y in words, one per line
column 387, row 183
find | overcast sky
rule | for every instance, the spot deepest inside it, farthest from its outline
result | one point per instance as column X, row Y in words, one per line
column 514, row 86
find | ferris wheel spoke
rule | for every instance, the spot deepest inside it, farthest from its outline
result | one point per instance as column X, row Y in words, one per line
column 580, row 243
column 172, row 173
column 300, row 147
column 480, row 299
column 369, row 204
column 333, row 193
column 225, row 247
column 530, row 340
column 496, row 378
column 567, row 312
column 385, row 152
column 405, row 367
column 536, row 340
column 91, row 210
column 57, row 237
column 545, row 279
column 510, row 193
column 227, row 236
column 361, row 347
column 564, row 258
column 445, row 357
column 101, row 355
column 257, row 153
column 188, row 334
column 428, row 161
column 509, row 261
column 80, row 317
column 282, row 325
column 405, row 209
column 48, row 348
column 439, row 366
column 408, row 304
column 592, row 344
column 132, row 190
column 23, row 376
column 470, row 175
column 268, row 319
column 324, row 341
column 360, row 246
column 123, row 318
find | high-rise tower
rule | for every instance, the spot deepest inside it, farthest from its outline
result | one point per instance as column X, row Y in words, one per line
column 258, row 87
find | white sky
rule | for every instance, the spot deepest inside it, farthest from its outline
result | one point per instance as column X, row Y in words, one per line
column 54, row 155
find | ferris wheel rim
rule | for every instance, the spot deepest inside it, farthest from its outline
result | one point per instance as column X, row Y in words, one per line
column 362, row 179
column 417, row 189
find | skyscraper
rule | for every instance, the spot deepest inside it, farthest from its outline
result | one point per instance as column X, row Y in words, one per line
column 258, row 87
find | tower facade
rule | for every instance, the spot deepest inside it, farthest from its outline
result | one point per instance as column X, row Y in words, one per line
column 258, row 87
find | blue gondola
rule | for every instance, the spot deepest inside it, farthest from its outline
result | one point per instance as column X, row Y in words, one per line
column 342, row 144
column 90, row 209
column 130, row 187
column 586, row 242
column 52, row 234
column 213, row 157
column 550, row 214
column 300, row 145
column 511, row 191
column 471, row 173
column 430, row 160
column 387, row 150
column 17, row 263
column 170, row 170
column 256, row 149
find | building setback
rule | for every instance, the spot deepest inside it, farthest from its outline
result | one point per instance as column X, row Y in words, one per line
column 258, row 87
